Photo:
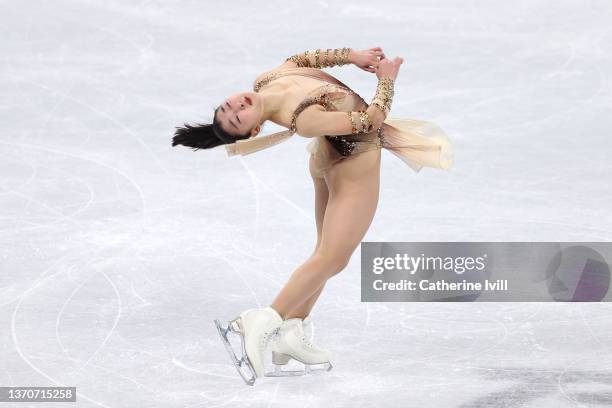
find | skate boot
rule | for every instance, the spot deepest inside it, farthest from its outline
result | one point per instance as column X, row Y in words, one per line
column 255, row 327
column 308, row 327
column 293, row 343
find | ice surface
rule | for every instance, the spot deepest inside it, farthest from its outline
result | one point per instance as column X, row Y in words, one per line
column 119, row 250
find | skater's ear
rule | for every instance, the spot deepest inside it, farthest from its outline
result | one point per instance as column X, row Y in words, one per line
column 255, row 131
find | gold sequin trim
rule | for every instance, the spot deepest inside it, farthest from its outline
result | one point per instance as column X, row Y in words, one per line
column 366, row 124
column 321, row 100
column 384, row 95
column 353, row 125
column 340, row 57
column 265, row 80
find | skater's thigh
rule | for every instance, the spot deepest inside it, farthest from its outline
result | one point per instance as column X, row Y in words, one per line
column 353, row 198
column 354, row 171
column 321, row 198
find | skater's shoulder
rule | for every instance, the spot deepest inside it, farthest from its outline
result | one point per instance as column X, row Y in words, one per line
column 287, row 66
column 265, row 77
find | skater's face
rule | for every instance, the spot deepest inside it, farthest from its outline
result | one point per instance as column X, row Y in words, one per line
column 239, row 114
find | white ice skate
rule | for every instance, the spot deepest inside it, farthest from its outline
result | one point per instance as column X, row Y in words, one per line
column 293, row 343
column 255, row 327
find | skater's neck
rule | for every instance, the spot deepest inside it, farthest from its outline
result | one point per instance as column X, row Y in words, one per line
column 272, row 99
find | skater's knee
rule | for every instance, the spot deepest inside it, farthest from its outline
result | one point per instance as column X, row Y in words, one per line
column 340, row 265
column 331, row 264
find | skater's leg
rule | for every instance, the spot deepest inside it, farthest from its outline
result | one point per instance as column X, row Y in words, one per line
column 321, row 198
column 353, row 197
column 304, row 309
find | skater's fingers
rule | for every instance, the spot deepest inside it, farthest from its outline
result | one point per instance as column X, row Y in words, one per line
column 379, row 55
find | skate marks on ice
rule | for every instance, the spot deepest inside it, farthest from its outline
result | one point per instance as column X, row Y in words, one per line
column 525, row 386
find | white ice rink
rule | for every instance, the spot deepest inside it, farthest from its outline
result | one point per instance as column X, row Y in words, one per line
column 117, row 250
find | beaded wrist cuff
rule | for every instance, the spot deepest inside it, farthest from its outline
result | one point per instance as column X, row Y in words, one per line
column 365, row 124
column 384, row 95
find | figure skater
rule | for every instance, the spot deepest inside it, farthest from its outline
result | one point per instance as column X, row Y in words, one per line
column 347, row 137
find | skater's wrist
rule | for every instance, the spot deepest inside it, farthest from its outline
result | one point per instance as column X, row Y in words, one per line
column 351, row 56
column 384, row 95
column 377, row 115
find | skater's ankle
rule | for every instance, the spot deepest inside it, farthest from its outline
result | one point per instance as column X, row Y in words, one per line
column 278, row 312
column 293, row 315
column 281, row 312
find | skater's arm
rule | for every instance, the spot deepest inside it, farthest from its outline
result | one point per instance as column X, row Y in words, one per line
column 316, row 121
column 366, row 60
column 320, row 58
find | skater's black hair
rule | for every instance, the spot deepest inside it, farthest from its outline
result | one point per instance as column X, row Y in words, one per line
column 204, row 135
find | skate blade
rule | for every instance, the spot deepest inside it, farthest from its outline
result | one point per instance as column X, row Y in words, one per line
column 243, row 366
column 318, row 368
column 279, row 372
column 308, row 369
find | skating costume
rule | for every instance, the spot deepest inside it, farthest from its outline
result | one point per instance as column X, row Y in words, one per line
column 418, row 143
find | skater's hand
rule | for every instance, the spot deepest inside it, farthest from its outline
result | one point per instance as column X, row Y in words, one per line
column 367, row 59
column 389, row 68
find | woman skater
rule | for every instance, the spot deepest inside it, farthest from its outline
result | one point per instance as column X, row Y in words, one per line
column 345, row 152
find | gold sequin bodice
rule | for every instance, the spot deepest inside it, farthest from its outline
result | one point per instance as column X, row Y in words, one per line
column 333, row 96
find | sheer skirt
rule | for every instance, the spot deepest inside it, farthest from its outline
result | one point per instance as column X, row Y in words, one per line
column 417, row 143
